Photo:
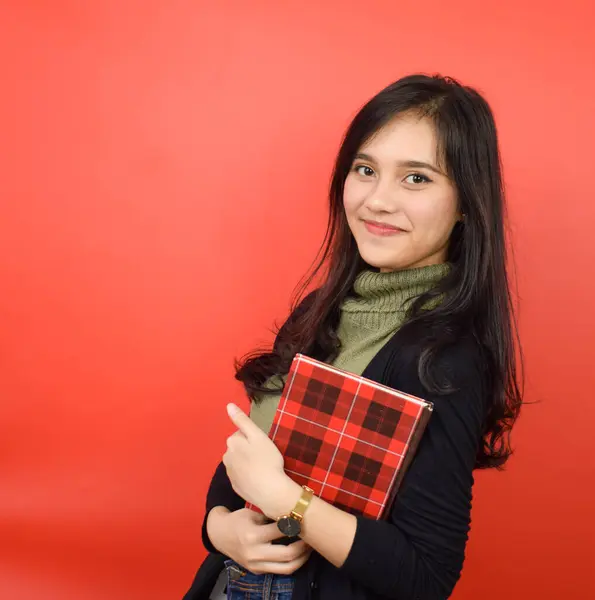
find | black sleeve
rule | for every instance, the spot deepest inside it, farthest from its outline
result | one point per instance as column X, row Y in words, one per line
column 220, row 494
column 419, row 552
column 220, row 491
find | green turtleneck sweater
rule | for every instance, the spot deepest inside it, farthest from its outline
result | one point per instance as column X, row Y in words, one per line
column 369, row 318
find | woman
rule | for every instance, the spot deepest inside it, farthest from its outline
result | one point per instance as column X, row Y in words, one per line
column 414, row 295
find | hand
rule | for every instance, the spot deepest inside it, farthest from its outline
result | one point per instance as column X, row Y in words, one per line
column 255, row 468
column 244, row 536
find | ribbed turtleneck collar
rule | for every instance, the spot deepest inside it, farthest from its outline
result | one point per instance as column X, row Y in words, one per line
column 388, row 292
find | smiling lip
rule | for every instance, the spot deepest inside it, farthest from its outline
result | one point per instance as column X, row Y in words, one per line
column 382, row 228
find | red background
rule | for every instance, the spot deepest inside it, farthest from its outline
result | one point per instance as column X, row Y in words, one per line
column 163, row 171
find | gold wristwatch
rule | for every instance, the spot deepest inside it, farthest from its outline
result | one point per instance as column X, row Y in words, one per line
column 291, row 525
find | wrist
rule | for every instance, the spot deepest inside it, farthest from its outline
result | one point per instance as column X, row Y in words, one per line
column 283, row 498
column 215, row 518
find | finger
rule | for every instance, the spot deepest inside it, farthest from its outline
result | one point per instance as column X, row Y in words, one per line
column 268, row 533
column 280, row 568
column 234, row 438
column 257, row 518
column 279, row 553
column 243, row 422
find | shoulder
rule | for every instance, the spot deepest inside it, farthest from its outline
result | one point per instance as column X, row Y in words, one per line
column 459, row 358
column 459, row 416
column 462, row 363
column 459, row 368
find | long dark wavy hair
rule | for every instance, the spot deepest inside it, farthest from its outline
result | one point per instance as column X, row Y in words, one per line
column 475, row 295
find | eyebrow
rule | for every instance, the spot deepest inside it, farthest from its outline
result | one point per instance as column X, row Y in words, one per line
column 416, row 164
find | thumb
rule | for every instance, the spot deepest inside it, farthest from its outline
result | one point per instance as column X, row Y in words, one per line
column 257, row 518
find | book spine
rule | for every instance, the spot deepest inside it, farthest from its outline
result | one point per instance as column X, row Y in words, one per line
column 416, row 436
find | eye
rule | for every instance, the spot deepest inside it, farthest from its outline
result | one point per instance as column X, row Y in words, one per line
column 417, row 179
column 364, row 170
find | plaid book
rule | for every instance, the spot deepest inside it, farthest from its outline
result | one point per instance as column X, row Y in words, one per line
column 348, row 438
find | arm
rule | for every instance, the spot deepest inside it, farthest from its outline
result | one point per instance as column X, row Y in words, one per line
column 221, row 495
column 419, row 552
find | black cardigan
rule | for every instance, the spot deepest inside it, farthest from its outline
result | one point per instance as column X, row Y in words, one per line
column 418, row 553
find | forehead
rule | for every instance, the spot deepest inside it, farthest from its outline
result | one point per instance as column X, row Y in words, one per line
column 404, row 138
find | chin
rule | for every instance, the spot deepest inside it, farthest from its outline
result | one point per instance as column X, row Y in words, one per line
column 382, row 263
column 384, row 256
column 383, row 260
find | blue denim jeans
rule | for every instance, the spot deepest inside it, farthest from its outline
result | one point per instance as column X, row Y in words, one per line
column 243, row 585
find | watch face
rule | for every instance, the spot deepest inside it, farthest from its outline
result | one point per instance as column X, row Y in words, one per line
column 289, row 526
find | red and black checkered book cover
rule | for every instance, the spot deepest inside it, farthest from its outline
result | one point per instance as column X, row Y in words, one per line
column 346, row 437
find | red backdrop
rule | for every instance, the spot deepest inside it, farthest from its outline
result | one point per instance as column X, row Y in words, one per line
column 164, row 168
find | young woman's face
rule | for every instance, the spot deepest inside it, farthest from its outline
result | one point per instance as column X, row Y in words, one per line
column 400, row 204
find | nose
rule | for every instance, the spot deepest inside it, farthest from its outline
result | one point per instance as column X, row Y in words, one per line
column 383, row 198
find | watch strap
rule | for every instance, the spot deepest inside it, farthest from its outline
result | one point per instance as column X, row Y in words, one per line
column 302, row 504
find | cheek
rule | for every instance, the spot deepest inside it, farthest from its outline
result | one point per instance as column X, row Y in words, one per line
column 351, row 198
column 433, row 221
